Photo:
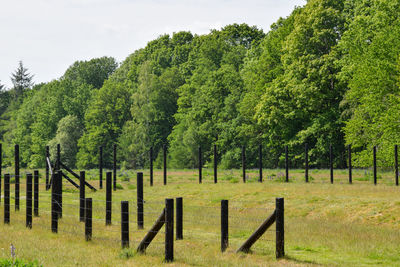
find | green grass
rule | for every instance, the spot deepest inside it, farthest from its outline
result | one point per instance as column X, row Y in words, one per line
column 333, row 225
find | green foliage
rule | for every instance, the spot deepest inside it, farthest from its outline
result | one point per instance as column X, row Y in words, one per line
column 18, row 263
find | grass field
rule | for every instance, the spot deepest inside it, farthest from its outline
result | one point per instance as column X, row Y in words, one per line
column 334, row 225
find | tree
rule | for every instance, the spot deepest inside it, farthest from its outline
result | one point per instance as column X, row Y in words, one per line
column 22, row 80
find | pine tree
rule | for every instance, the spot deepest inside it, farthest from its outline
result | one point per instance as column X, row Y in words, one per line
column 21, row 79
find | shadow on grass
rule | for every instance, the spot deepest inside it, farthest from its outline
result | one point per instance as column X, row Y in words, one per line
column 293, row 259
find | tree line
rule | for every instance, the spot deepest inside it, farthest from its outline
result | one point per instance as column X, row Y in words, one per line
column 328, row 74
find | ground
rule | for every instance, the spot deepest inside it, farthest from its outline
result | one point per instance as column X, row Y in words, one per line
column 325, row 224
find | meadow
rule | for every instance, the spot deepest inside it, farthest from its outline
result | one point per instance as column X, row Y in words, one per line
column 325, row 224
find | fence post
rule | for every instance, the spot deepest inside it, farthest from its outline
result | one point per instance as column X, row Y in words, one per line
column 280, row 228
column 115, row 166
column 165, row 163
column 36, row 193
column 244, row 163
column 47, row 167
column 58, row 160
column 54, row 215
column 396, row 165
column 151, row 166
column 7, row 198
column 1, row 158
column 29, row 200
column 125, row 224
column 287, row 163
column 101, row 167
column 200, row 166
column 375, row 177
column 215, row 164
column 179, row 218
column 140, row 217
column 16, row 161
column 224, row 225
column 82, row 196
column 350, row 167
column 108, row 198
column 260, row 164
column 60, row 196
column 88, row 219
column 306, row 162
column 331, row 162
column 169, row 229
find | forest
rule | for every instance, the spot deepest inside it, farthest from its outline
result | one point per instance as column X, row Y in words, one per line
column 328, row 74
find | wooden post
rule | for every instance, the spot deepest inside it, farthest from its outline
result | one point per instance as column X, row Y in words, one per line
column 179, row 218
column 7, row 198
column 287, row 163
column 306, row 162
column 54, row 214
column 224, row 225
column 47, row 167
column 375, row 176
column 82, row 196
column 125, row 224
column 59, row 193
column 151, row 166
column 350, row 167
column 88, row 219
column 108, row 198
column 36, row 193
column 165, row 163
column 58, row 160
column 101, row 167
column 140, row 217
column 280, row 228
column 200, row 166
column 331, row 162
column 169, row 230
column 29, row 200
column 244, row 163
column 260, row 163
column 396, row 165
column 115, row 167
column 215, row 164
column 152, row 233
column 16, row 161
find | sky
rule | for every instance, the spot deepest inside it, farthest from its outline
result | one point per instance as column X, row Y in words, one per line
column 50, row 35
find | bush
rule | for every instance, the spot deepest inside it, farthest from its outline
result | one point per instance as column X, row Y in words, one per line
column 18, row 263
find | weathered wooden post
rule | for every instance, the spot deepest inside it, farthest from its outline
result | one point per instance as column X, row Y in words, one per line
column 7, row 198
column 331, row 162
column 396, row 165
column 260, row 163
column 287, row 163
column 140, row 217
column 165, row 163
column 151, row 166
column 125, row 224
column 108, row 198
column 101, row 167
column 60, row 194
column 244, row 163
column 47, row 167
column 169, row 230
column 375, row 174
column 200, row 166
column 36, row 193
column 29, row 200
column 115, row 167
column 306, row 161
column 58, row 160
column 88, row 219
column 16, row 165
column 82, row 197
column 179, row 218
column 224, row 225
column 215, row 164
column 54, row 214
column 280, row 228
column 350, row 167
